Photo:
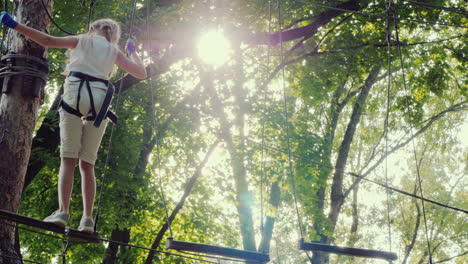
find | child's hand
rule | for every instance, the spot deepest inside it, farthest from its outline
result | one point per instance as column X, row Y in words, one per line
column 7, row 20
column 130, row 47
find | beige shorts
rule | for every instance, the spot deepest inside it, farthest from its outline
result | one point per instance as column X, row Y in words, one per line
column 79, row 138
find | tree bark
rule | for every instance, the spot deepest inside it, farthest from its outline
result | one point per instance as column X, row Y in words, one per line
column 336, row 196
column 238, row 167
column 45, row 141
column 409, row 247
column 273, row 204
column 18, row 115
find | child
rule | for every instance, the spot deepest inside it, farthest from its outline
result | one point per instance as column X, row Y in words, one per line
column 86, row 98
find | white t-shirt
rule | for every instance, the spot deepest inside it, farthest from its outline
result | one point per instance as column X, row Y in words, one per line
column 93, row 55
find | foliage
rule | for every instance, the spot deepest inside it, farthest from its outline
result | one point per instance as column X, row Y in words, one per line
column 304, row 112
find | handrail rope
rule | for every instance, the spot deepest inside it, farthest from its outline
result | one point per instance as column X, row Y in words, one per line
column 286, row 124
column 22, row 259
column 377, row 15
column 364, row 178
column 386, row 122
column 213, row 257
column 114, row 241
column 155, row 126
column 410, row 117
column 53, row 21
column 31, row 230
column 154, row 250
column 106, row 165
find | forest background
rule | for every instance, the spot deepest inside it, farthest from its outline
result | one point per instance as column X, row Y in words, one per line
column 286, row 137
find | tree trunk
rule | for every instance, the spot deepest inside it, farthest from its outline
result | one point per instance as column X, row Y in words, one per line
column 18, row 116
column 337, row 196
column 239, row 172
column 45, row 141
column 272, row 208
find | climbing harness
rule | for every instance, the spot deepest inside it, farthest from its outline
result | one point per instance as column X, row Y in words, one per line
column 104, row 112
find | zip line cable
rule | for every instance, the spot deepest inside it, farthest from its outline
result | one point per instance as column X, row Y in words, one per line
column 364, row 178
column 410, row 117
column 377, row 15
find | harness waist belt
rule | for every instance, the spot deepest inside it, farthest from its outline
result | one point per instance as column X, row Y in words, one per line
column 86, row 77
column 104, row 112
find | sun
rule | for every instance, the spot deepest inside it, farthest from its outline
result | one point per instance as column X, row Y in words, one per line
column 213, row 48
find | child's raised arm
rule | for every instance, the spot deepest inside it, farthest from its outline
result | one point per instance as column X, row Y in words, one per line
column 134, row 65
column 38, row 36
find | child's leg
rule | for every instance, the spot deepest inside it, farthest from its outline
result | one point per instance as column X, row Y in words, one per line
column 65, row 183
column 88, row 187
column 90, row 142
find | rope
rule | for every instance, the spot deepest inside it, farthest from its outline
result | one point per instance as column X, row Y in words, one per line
column 13, row 70
column 96, row 219
column 53, row 21
column 116, row 242
column 65, row 246
column 418, row 173
column 91, row 11
column 449, row 9
column 155, row 127
column 286, row 124
column 377, row 15
column 263, row 170
column 218, row 258
column 366, row 179
column 22, row 259
column 387, row 114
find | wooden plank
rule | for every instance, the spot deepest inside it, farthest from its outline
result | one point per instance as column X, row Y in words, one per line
column 216, row 250
column 356, row 252
column 94, row 237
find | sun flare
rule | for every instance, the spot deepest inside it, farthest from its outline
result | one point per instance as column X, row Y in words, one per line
column 213, row 47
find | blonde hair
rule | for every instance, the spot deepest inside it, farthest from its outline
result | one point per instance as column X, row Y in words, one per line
column 107, row 28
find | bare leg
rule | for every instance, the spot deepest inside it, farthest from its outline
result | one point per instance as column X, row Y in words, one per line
column 88, row 187
column 65, row 183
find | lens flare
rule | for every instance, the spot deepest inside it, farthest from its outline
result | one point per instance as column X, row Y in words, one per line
column 213, row 47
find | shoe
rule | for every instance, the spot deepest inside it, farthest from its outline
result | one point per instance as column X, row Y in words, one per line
column 86, row 225
column 58, row 218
